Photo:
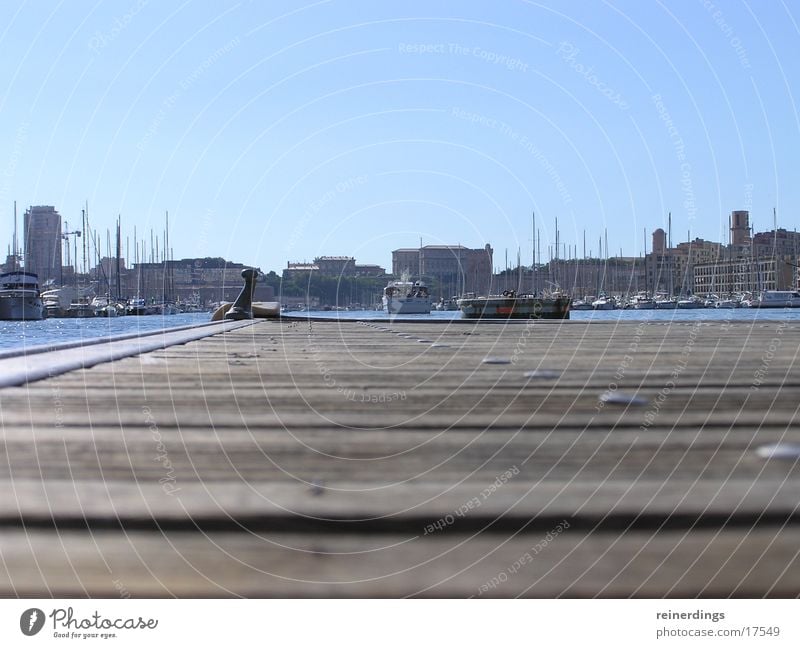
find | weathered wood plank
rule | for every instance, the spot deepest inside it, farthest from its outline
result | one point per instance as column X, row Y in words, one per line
column 705, row 563
column 475, row 501
column 259, row 456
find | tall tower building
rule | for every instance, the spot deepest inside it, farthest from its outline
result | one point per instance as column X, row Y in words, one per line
column 740, row 227
column 659, row 241
column 42, row 233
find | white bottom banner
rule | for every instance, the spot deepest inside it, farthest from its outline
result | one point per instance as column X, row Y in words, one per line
column 388, row 623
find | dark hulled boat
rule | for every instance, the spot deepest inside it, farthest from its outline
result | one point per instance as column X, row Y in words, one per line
column 510, row 306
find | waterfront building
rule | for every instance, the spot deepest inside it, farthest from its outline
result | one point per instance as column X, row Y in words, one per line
column 204, row 280
column 333, row 266
column 456, row 269
column 780, row 243
column 299, row 269
column 405, row 260
column 344, row 266
column 671, row 270
column 369, row 270
column 751, row 263
column 590, row 276
column 743, row 275
column 42, row 236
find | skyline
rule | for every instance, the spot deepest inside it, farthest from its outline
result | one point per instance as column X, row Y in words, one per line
column 287, row 132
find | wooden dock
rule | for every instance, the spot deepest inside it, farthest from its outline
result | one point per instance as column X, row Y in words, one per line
column 483, row 459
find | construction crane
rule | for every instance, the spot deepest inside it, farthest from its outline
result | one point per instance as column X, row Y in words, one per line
column 65, row 236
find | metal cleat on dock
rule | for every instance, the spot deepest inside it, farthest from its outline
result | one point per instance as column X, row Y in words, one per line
column 243, row 306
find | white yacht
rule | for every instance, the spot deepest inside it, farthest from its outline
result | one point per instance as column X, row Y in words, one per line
column 582, row 304
column 690, row 302
column 19, row 296
column 641, row 301
column 777, row 299
column 406, row 298
column 727, row 302
column 104, row 307
column 664, row 301
column 604, row 302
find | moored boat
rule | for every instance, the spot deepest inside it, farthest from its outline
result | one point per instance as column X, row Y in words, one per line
column 692, row 302
column 139, row 306
column 167, row 308
column 666, row 303
column 604, row 303
column 582, row 304
column 447, row 304
column 104, row 307
column 641, row 302
column 510, row 306
column 406, row 298
column 729, row 302
column 776, row 299
column 19, row 296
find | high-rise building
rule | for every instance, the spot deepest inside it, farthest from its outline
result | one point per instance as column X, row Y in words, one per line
column 42, row 232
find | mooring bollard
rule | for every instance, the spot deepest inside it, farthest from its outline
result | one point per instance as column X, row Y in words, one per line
column 243, row 306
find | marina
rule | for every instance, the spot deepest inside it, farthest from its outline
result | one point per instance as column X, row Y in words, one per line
column 292, row 457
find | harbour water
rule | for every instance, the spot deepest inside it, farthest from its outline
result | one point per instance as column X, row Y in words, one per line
column 21, row 335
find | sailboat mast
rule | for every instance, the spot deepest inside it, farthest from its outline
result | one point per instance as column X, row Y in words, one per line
column 168, row 288
column 556, row 256
column 538, row 252
column 605, row 262
column 669, row 251
column 16, row 249
column 775, row 244
column 533, row 252
column 119, row 245
column 85, row 227
column 108, row 253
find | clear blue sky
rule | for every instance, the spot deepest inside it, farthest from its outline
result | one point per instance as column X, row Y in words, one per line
column 276, row 131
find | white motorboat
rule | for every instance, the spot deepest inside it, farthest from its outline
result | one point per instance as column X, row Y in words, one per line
column 777, row 299
column 19, row 296
column 406, row 298
column 167, row 308
column 581, row 305
column 604, row 303
column 448, row 304
column 690, row 303
column 641, row 302
column 139, row 306
column 53, row 304
column 104, row 307
column 68, row 301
